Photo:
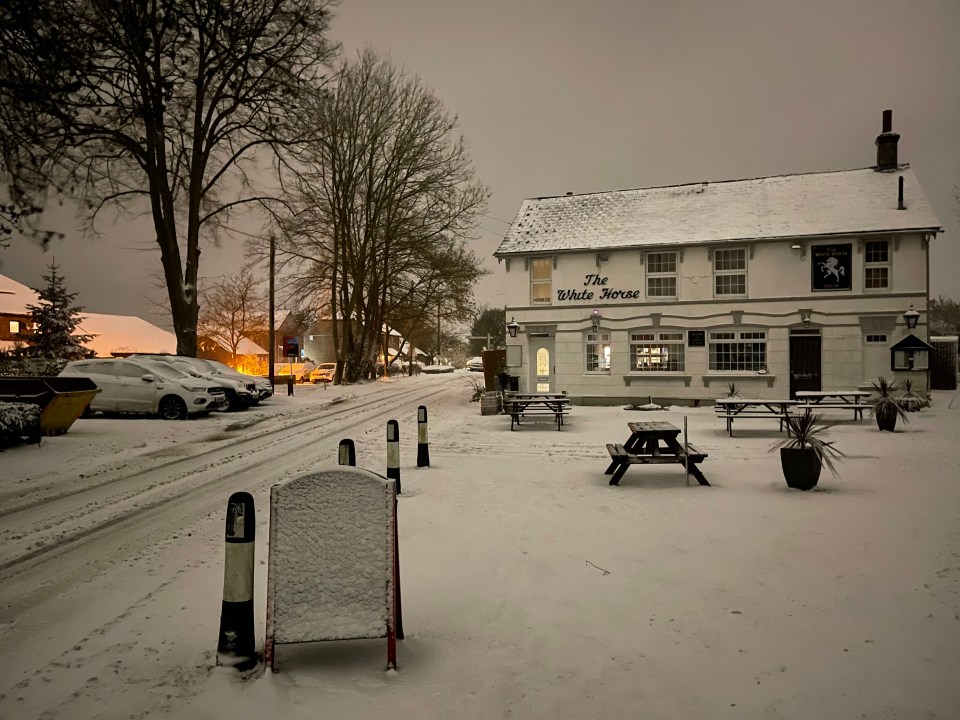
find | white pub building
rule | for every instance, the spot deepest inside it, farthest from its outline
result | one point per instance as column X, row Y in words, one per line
column 776, row 284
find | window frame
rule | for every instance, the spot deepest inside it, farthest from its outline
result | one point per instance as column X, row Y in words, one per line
column 877, row 265
column 652, row 338
column 729, row 272
column 603, row 339
column 740, row 337
column 546, row 262
column 661, row 274
column 14, row 327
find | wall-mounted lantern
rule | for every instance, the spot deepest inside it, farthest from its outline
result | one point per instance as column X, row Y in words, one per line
column 911, row 316
column 595, row 319
column 513, row 327
column 805, row 317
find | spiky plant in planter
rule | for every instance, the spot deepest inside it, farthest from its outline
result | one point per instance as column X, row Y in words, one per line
column 884, row 406
column 909, row 400
column 803, row 453
column 733, row 391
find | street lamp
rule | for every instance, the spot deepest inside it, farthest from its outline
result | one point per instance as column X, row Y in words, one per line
column 911, row 316
column 513, row 327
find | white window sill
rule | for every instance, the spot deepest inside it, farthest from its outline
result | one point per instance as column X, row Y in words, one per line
column 743, row 375
column 645, row 376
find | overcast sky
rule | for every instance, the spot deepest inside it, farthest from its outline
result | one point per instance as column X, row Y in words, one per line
column 558, row 96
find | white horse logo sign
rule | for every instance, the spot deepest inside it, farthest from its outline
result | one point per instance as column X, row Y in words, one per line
column 831, row 266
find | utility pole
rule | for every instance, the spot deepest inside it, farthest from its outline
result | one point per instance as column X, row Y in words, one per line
column 438, row 332
column 271, row 358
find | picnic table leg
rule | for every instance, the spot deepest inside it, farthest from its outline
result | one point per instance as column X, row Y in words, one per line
column 695, row 471
column 612, row 467
column 615, row 480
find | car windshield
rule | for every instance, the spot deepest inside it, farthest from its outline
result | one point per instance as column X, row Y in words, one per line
column 168, row 372
column 327, row 366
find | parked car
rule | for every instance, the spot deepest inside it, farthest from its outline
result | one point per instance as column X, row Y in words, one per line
column 240, row 393
column 323, row 373
column 475, row 364
column 300, row 371
column 147, row 386
column 261, row 384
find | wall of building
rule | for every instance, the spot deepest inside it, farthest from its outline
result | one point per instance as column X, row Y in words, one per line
column 611, row 284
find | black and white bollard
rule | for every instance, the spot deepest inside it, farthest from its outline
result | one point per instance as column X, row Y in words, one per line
column 236, row 647
column 348, row 453
column 393, row 452
column 423, row 445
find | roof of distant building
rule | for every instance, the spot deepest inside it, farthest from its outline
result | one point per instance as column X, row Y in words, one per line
column 846, row 202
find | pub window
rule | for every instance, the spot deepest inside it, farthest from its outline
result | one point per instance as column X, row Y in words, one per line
column 661, row 274
column 598, row 352
column 14, row 326
column 877, row 339
column 736, row 351
column 876, row 265
column 729, row 272
column 541, row 280
column 656, row 351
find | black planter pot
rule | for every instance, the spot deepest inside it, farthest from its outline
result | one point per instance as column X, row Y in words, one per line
column 887, row 421
column 801, row 467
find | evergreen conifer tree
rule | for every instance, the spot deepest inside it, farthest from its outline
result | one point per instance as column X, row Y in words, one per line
column 55, row 318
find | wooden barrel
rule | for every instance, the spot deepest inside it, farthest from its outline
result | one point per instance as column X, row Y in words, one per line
column 490, row 403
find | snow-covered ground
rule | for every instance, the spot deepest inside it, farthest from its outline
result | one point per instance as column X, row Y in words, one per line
column 531, row 588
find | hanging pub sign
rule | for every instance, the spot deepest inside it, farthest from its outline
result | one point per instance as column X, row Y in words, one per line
column 291, row 346
column 696, row 338
column 832, row 266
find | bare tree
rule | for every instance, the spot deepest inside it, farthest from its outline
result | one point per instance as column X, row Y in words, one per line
column 157, row 106
column 232, row 311
column 384, row 212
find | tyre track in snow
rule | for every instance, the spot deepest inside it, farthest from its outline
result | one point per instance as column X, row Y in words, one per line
column 48, row 527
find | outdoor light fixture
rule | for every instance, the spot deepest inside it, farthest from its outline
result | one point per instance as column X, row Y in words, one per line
column 911, row 316
column 513, row 327
column 796, row 246
column 595, row 317
column 805, row 317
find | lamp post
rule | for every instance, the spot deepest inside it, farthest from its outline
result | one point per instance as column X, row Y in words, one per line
column 911, row 316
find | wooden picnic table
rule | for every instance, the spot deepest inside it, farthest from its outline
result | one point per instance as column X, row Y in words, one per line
column 652, row 443
column 811, row 400
column 732, row 408
column 522, row 405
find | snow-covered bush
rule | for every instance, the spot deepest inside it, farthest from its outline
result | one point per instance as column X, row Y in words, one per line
column 19, row 421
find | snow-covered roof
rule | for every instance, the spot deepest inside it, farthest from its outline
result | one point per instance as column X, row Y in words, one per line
column 15, row 297
column 125, row 334
column 784, row 206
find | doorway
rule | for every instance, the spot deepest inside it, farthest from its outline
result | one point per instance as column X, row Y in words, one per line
column 804, row 361
column 542, row 351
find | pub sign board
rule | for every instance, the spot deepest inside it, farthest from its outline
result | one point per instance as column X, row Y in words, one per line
column 696, row 338
column 291, row 346
column 832, row 266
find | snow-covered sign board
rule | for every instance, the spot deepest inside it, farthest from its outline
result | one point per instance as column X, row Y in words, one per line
column 332, row 559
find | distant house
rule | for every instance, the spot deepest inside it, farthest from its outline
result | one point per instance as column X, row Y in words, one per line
column 114, row 335
column 251, row 357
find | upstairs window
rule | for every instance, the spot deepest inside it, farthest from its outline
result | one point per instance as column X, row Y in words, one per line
column 729, row 272
column 661, row 274
column 598, row 352
column 738, row 351
column 541, row 280
column 14, row 327
column 876, row 265
column 656, row 351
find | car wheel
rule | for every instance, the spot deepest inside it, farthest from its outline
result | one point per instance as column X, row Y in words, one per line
column 234, row 402
column 172, row 408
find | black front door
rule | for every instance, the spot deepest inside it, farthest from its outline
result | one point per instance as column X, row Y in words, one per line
column 804, row 363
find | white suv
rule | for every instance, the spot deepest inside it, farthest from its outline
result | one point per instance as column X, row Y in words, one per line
column 143, row 386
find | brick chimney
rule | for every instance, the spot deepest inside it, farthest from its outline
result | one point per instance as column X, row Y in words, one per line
column 887, row 144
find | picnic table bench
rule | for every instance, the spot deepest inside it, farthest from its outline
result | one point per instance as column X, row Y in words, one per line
column 812, row 400
column 644, row 447
column 731, row 409
column 533, row 405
